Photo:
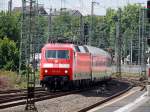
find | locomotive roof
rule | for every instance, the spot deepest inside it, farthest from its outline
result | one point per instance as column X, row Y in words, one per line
column 58, row 45
column 97, row 51
column 91, row 49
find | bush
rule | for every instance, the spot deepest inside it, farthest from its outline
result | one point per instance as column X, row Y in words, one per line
column 9, row 55
column 10, row 80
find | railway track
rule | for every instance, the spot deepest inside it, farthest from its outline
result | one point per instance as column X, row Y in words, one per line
column 8, row 97
column 136, row 82
column 132, row 82
column 106, row 99
column 12, row 100
column 19, row 90
column 18, row 97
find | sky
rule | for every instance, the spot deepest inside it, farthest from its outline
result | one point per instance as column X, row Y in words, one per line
column 84, row 6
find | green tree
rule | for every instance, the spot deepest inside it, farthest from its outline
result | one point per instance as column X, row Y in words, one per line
column 130, row 27
column 9, row 55
column 62, row 25
column 9, row 26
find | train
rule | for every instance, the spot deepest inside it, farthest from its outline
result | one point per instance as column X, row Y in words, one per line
column 70, row 64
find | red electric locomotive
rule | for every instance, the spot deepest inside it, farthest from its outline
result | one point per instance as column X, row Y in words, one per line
column 65, row 64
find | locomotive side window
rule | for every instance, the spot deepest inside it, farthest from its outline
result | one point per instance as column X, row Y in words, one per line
column 60, row 54
column 77, row 48
column 86, row 49
column 82, row 49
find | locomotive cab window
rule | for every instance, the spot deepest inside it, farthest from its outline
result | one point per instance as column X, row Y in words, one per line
column 57, row 54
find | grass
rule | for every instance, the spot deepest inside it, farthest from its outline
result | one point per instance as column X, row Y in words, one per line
column 124, row 74
column 11, row 80
column 129, row 75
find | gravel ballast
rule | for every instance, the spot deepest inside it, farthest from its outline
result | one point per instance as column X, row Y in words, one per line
column 75, row 102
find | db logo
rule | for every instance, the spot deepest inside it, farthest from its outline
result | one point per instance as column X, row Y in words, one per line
column 56, row 61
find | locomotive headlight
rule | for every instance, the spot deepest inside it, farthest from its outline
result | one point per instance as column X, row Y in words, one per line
column 46, row 70
column 66, row 71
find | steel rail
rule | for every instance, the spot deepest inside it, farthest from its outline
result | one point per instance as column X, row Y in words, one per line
column 19, row 90
column 40, row 98
column 106, row 99
column 45, row 96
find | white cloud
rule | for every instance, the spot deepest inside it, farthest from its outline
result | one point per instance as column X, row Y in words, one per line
column 17, row 3
column 3, row 4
